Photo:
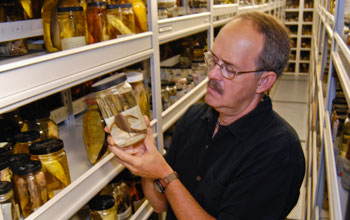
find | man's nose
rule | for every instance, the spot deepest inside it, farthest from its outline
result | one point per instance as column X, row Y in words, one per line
column 215, row 72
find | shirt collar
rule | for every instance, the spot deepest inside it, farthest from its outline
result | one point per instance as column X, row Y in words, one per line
column 245, row 125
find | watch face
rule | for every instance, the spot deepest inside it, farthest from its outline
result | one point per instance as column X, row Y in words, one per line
column 158, row 186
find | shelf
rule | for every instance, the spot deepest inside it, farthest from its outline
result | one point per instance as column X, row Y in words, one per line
column 342, row 75
column 261, row 8
column 291, row 23
column 222, row 14
column 292, row 10
column 20, row 29
column 175, row 111
column 178, row 27
column 30, row 79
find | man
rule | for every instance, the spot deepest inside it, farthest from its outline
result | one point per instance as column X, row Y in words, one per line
column 235, row 157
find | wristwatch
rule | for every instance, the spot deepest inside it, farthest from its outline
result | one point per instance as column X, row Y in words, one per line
column 160, row 184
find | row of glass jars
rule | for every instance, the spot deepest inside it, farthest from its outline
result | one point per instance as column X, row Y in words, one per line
column 119, row 199
column 38, row 176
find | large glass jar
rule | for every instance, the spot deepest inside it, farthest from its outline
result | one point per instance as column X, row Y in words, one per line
column 9, row 209
column 96, row 16
column 53, row 158
column 5, row 171
column 121, row 20
column 93, row 131
column 120, row 110
column 102, row 208
column 170, row 6
column 42, row 123
column 120, row 192
column 30, row 186
column 71, row 23
column 140, row 11
column 24, row 140
column 11, row 10
column 135, row 79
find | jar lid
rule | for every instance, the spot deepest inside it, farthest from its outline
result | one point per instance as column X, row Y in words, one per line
column 109, row 82
column 17, row 159
column 97, row 3
column 126, row 5
column 6, row 147
column 47, row 146
column 134, row 76
column 101, row 202
column 68, row 9
column 114, row 6
column 5, row 187
column 161, row 1
column 27, row 136
column 3, row 163
column 28, row 167
column 162, row 8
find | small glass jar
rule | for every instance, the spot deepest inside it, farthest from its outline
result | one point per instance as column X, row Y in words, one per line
column 165, row 94
column 93, row 131
column 135, row 189
column 9, row 209
column 170, row 6
column 42, row 123
column 162, row 13
column 96, row 16
column 17, row 159
column 120, row 110
column 30, row 186
column 102, row 208
column 121, row 20
column 199, row 71
column 6, row 148
column 120, row 192
column 24, row 140
column 53, row 158
column 5, row 171
column 135, row 79
column 71, row 23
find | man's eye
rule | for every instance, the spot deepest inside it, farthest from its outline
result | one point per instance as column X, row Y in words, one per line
column 230, row 69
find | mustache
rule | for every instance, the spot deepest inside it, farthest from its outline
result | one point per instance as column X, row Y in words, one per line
column 216, row 86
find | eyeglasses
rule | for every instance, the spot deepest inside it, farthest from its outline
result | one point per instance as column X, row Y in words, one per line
column 226, row 69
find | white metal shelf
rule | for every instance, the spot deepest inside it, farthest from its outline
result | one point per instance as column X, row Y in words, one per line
column 222, row 14
column 173, row 28
column 175, row 111
column 27, row 80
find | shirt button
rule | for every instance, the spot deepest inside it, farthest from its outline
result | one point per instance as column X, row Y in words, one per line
column 198, row 178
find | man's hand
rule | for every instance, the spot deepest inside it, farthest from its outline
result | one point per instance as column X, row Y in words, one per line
column 143, row 158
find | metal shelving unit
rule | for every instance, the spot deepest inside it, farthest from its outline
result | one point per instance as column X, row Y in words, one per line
column 327, row 37
column 32, row 77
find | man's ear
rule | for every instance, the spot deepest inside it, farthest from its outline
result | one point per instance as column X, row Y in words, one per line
column 266, row 81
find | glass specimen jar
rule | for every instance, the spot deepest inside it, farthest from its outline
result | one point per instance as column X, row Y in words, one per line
column 41, row 122
column 102, row 208
column 9, row 209
column 93, row 131
column 96, row 16
column 53, row 158
column 135, row 189
column 121, row 20
column 135, row 79
column 120, row 192
column 30, row 186
column 16, row 159
column 24, row 140
column 120, row 110
column 71, row 23
column 5, row 171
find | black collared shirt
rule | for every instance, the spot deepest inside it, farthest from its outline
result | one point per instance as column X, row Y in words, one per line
column 251, row 169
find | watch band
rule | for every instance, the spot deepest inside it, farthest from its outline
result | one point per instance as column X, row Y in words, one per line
column 166, row 180
column 161, row 184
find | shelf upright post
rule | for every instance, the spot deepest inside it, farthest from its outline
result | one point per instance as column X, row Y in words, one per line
column 210, row 35
column 68, row 103
column 155, row 72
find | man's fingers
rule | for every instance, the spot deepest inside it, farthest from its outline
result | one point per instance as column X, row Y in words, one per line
column 124, row 156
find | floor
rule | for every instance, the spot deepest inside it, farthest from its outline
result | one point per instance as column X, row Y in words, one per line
column 290, row 99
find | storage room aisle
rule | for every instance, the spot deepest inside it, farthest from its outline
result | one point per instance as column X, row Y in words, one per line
column 290, row 99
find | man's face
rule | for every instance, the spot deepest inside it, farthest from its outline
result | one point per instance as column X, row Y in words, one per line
column 238, row 44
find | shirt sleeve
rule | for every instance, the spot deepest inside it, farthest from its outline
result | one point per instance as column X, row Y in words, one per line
column 269, row 187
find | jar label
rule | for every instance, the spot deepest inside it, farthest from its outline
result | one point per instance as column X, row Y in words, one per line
column 72, row 42
column 127, row 127
column 5, row 211
column 124, row 215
